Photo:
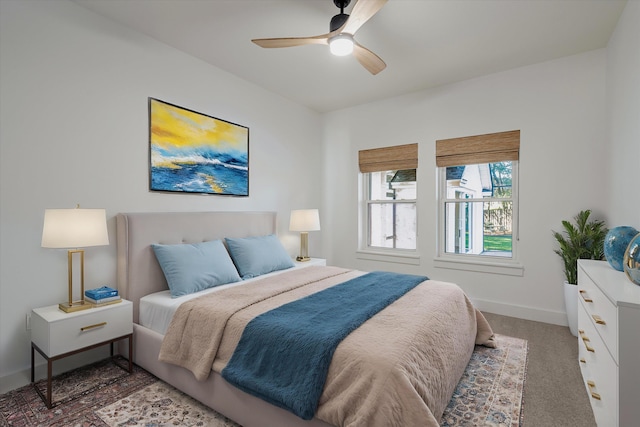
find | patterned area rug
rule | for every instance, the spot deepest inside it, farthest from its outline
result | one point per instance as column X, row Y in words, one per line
column 491, row 389
column 87, row 389
column 489, row 394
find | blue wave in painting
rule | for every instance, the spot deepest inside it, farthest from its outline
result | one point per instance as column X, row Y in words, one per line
column 200, row 171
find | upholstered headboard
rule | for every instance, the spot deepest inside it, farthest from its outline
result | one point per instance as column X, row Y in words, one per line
column 139, row 273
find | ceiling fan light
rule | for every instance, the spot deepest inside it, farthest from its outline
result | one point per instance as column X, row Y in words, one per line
column 341, row 45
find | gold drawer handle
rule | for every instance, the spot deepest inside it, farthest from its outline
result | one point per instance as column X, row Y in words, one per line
column 582, row 360
column 97, row 325
column 583, row 336
column 586, row 299
column 598, row 319
column 592, row 385
column 585, row 340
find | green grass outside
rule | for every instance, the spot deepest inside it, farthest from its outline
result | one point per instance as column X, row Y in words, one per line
column 497, row 243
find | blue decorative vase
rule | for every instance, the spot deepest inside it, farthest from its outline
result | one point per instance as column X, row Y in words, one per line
column 615, row 244
column 631, row 260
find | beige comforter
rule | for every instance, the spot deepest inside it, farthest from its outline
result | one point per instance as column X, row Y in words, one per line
column 398, row 369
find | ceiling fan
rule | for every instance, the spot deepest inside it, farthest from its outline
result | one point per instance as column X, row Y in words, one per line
column 340, row 37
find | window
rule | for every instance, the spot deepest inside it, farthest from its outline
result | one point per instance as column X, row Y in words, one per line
column 391, row 209
column 478, row 209
column 388, row 214
column 478, row 198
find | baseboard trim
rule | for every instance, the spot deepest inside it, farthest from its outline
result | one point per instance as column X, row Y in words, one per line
column 522, row 312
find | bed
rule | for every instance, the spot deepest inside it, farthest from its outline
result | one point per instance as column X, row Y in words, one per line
column 413, row 393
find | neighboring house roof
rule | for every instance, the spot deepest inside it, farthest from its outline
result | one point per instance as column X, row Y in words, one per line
column 407, row 175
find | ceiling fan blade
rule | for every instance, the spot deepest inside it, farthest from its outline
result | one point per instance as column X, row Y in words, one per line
column 362, row 11
column 292, row 41
column 368, row 59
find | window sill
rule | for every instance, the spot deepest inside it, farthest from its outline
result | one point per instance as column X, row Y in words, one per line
column 493, row 267
column 412, row 258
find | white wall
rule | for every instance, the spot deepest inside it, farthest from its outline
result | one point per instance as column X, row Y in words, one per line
column 558, row 106
column 75, row 130
column 623, row 118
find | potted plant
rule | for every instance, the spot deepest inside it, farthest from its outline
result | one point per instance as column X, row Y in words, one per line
column 584, row 240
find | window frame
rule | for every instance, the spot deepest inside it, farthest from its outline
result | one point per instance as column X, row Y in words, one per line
column 376, row 253
column 476, row 262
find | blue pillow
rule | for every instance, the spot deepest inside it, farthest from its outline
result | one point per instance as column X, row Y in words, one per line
column 254, row 256
column 190, row 268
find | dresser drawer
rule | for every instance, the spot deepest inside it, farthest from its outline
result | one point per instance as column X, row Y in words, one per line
column 601, row 311
column 55, row 332
column 599, row 371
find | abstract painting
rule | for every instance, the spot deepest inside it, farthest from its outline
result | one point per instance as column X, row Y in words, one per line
column 190, row 152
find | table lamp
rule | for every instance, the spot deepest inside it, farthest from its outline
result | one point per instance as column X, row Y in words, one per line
column 304, row 220
column 72, row 229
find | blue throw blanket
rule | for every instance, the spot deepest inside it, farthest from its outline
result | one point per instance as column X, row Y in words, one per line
column 284, row 354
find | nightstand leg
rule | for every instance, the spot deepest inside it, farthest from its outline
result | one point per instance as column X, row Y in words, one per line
column 130, row 353
column 48, row 398
column 49, row 372
column 32, row 365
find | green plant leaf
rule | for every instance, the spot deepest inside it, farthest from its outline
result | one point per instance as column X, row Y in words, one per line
column 584, row 240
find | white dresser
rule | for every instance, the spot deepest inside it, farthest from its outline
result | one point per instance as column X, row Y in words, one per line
column 609, row 343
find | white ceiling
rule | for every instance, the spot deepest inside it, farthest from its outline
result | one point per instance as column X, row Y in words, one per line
column 425, row 43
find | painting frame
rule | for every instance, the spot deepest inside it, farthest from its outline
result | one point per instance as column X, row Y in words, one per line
column 194, row 153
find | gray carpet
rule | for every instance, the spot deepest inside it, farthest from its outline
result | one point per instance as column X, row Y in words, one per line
column 554, row 394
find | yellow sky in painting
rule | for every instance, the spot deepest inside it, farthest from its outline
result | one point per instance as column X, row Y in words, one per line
column 175, row 128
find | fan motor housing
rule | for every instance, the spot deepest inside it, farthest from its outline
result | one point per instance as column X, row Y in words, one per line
column 338, row 21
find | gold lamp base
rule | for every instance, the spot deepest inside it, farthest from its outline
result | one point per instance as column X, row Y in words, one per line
column 73, row 306
column 304, row 247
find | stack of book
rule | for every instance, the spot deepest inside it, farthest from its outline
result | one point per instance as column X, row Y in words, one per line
column 102, row 296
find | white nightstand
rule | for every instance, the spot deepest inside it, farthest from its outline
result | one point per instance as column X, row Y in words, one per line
column 313, row 261
column 56, row 334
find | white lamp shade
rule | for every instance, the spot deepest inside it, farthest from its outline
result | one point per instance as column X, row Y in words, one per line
column 304, row 220
column 74, row 228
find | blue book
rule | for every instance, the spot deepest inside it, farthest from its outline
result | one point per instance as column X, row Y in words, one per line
column 100, row 293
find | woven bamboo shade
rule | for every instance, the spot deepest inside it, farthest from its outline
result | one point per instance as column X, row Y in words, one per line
column 488, row 148
column 398, row 157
